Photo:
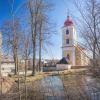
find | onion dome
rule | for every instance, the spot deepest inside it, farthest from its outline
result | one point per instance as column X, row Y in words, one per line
column 68, row 22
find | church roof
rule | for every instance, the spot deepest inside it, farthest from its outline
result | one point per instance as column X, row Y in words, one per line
column 63, row 61
column 68, row 22
column 80, row 47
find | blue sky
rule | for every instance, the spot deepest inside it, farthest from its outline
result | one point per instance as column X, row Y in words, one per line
column 58, row 15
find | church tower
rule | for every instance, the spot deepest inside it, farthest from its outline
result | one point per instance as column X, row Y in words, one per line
column 69, row 41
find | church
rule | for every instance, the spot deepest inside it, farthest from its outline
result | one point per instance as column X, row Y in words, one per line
column 72, row 51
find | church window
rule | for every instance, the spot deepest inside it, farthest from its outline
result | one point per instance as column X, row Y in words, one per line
column 68, row 57
column 67, row 41
column 67, row 31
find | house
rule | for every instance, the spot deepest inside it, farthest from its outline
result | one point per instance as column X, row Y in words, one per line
column 7, row 68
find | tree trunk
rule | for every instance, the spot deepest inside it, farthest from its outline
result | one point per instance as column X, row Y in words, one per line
column 15, row 60
column 25, row 68
column 18, row 75
column 40, row 45
column 94, row 54
column 33, row 32
column 40, row 55
column 34, row 54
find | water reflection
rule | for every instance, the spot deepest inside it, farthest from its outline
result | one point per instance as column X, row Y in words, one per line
column 53, row 88
column 78, row 87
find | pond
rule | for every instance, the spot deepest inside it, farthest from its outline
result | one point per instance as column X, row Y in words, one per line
column 53, row 88
column 71, row 87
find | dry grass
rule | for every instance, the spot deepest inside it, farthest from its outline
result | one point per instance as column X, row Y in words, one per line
column 62, row 85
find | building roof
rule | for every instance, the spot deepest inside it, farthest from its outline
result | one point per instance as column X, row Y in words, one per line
column 68, row 22
column 63, row 61
column 80, row 47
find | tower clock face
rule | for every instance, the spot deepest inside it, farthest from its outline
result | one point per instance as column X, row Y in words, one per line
column 67, row 31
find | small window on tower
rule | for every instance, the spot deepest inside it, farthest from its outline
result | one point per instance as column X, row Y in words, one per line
column 68, row 57
column 67, row 31
column 67, row 41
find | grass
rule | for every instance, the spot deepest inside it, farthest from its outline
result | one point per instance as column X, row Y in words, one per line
column 71, row 82
column 39, row 76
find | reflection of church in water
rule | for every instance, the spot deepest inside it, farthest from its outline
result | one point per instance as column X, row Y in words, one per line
column 71, row 51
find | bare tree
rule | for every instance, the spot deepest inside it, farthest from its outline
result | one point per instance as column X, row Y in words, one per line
column 0, row 61
column 0, row 51
column 26, row 50
column 39, row 10
column 33, row 15
column 89, row 23
column 12, row 34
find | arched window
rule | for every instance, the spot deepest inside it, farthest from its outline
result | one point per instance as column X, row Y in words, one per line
column 67, row 31
column 68, row 57
column 67, row 41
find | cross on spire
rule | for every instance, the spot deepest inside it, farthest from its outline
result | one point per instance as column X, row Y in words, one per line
column 68, row 13
column 68, row 21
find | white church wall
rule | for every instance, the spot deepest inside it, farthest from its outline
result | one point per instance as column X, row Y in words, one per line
column 63, row 66
column 74, row 36
column 72, row 51
column 73, row 56
column 68, row 36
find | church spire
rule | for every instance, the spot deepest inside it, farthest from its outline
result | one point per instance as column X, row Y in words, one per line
column 68, row 21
